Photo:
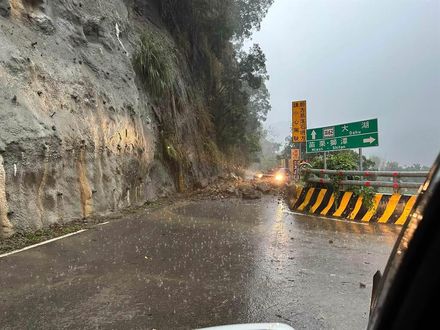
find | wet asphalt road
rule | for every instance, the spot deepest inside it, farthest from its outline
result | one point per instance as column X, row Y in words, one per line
column 195, row 264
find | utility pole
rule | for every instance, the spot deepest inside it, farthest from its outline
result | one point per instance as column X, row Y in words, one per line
column 360, row 160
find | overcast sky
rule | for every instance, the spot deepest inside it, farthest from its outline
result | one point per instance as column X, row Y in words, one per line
column 358, row 59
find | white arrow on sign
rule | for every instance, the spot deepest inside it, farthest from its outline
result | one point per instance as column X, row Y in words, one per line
column 370, row 140
column 313, row 135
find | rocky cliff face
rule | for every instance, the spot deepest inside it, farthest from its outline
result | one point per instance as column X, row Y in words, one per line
column 78, row 135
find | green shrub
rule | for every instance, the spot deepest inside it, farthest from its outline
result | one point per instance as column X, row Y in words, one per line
column 336, row 186
column 156, row 63
column 367, row 194
column 212, row 151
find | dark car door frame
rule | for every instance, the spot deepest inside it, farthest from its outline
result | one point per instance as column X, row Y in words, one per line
column 407, row 296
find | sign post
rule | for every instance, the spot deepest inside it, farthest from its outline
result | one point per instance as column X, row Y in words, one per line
column 299, row 127
column 295, row 154
column 362, row 134
column 295, row 157
column 299, row 121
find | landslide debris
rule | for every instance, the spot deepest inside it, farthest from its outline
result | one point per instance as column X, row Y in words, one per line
column 234, row 185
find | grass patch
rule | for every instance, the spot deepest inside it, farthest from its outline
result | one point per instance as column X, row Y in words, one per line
column 22, row 239
column 156, row 63
column 367, row 193
column 212, row 151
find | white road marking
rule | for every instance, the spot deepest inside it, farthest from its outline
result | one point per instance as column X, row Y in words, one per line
column 42, row 243
column 102, row 224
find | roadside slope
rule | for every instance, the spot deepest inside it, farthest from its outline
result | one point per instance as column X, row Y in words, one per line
column 79, row 136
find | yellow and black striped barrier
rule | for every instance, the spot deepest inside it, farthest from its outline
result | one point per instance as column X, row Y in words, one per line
column 392, row 209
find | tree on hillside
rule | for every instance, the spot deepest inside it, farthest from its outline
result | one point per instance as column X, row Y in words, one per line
column 232, row 81
column 288, row 145
column 268, row 155
column 242, row 103
column 251, row 13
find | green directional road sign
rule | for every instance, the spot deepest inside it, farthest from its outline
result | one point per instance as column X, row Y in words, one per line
column 361, row 134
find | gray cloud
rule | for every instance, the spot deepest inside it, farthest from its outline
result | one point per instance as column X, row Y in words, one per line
column 359, row 59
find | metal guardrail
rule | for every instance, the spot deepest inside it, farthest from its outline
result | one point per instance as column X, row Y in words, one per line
column 396, row 184
column 384, row 184
column 401, row 174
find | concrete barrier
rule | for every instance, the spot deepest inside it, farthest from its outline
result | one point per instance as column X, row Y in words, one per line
column 391, row 209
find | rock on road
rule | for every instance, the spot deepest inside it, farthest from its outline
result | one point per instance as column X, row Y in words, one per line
column 199, row 263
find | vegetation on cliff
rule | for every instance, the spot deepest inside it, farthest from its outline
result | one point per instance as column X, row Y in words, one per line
column 228, row 88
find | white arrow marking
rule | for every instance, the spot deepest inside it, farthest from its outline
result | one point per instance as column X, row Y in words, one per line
column 370, row 140
column 313, row 135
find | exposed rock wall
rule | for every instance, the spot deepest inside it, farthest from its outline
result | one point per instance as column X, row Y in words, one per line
column 5, row 225
column 78, row 135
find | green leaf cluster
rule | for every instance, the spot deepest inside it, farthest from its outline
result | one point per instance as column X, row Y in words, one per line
column 156, row 63
column 367, row 194
column 209, row 35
